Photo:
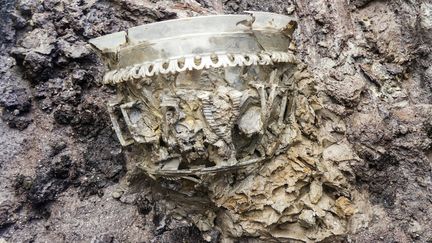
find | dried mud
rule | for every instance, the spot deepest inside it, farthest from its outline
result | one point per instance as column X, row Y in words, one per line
column 64, row 176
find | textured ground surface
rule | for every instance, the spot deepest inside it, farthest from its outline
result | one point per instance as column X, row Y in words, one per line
column 60, row 164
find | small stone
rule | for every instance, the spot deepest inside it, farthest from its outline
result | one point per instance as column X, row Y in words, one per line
column 292, row 46
column 117, row 194
column 307, row 218
column 315, row 192
column 344, row 207
column 16, row 99
column 129, row 198
column 40, row 41
column 77, row 51
column 290, row 9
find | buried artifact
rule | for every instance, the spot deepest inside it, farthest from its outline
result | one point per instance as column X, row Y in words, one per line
column 221, row 102
column 202, row 95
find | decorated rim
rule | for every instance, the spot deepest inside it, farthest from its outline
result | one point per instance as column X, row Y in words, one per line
column 197, row 62
column 196, row 43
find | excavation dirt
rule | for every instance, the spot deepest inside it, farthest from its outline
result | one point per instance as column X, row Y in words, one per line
column 358, row 168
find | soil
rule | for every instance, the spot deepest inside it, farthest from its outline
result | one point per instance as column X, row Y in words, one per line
column 63, row 174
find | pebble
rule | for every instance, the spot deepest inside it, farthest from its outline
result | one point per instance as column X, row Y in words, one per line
column 117, row 194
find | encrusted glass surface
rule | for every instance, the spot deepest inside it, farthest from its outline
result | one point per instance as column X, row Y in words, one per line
column 202, row 95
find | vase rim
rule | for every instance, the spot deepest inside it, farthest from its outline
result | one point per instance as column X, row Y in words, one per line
column 164, row 44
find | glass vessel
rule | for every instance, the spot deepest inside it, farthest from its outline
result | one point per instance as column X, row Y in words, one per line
column 202, row 95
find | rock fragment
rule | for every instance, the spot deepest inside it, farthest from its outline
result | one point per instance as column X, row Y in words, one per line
column 315, row 192
column 307, row 218
column 344, row 207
